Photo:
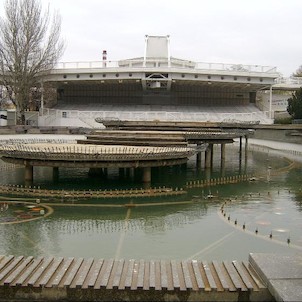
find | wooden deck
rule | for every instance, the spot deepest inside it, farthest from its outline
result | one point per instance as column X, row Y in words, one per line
column 78, row 279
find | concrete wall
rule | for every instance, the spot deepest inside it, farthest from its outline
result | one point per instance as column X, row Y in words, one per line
column 286, row 133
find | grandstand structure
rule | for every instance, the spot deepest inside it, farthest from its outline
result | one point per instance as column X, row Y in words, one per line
column 156, row 87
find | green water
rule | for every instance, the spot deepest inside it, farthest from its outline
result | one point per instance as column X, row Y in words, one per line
column 198, row 230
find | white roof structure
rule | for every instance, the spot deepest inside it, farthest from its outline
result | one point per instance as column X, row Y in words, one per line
column 157, row 47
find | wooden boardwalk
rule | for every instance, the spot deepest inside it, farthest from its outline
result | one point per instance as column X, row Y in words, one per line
column 78, row 279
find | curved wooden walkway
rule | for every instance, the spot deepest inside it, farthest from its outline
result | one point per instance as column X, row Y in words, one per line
column 78, row 279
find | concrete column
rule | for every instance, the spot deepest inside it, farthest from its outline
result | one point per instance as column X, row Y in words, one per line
column 222, row 155
column 240, row 148
column 147, row 175
column 212, row 154
column 246, row 145
column 29, row 172
column 198, row 155
column 208, row 156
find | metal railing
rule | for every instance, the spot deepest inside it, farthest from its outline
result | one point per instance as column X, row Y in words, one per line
column 52, row 114
column 289, row 81
column 77, row 152
column 172, row 63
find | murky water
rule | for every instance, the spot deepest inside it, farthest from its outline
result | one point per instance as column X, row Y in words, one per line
column 252, row 216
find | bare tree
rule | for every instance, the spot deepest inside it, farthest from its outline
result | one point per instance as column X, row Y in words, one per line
column 30, row 46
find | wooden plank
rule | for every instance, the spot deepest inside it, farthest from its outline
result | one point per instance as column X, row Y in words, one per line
column 106, row 274
column 82, row 274
column 39, row 272
column 169, row 276
column 4, row 260
column 158, row 285
column 112, row 275
column 242, row 274
column 130, row 272
column 186, row 274
column 141, row 274
column 103, row 276
column 118, row 273
column 147, row 276
column 10, row 267
column 22, row 279
column 234, row 276
column 121, row 285
column 152, row 274
column 93, row 274
column 175, row 278
column 135, row 271
column 198, row 276
column 72, row 272
column 61, row 273
column 163, row 275
column 209, row 275
column 181, row 277
column 221, row 275
column 50, row 271
column 254, row 275
column 18, row 271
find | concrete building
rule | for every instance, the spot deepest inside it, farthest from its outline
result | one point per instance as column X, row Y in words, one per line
column 156, row 86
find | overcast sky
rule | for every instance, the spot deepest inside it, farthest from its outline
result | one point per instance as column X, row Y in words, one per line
column 257, row 32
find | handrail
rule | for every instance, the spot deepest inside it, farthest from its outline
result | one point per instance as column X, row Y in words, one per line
column 173, row 63
column 291, row 80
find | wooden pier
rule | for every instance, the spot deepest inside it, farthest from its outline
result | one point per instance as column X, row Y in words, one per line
column 77, row 279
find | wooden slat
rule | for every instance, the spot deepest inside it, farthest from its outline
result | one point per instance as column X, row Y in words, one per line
column 129, row 273
column 221, row 275
column 121, row 285
column 50, row 271
column 61, row 273
column 93, row 274
column 82, row 274
column 17, row 272
column 10, row 267
column 181, row 277
column 169, row 276
column 198, row 276
column 209, row 275
column 175, row 278
column 152, row 274
column 242, row 274
column 146, row 285
column 22, row 279
column 73, row 271
column 112, row 275
column 158, row 285
column 254, row 275
column 186, row 273
column 106, row 274
column 234, row 276
column 141, row 273
column 118, row 273
column 41, row 269
column 134, row 283
column 103, row 277
column 5, row 261
column 163, row 274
